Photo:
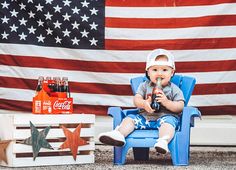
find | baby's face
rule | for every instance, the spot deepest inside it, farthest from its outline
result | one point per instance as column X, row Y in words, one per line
column 164, row 72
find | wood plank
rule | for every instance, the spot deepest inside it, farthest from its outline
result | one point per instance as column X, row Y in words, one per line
column 21, row 148
column 56, row 160
column 67, row 125
column 52, row 154
column 53, row 133
column 24, row 119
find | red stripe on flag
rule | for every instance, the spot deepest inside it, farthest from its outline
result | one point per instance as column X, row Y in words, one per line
column 219, row 88
column 91, row 109
column 19, row 83
column 206, row 66
column 124, row 90
column 113, row 67
column 177, row 44
column 164, row 3
column 15, row 105
column 77, row 65
column 217, row 20
column 75, row 87
column 27, row 107
column 218, row 110
column 100, row 88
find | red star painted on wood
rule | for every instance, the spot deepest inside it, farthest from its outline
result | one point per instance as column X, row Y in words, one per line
column 3, row 147
column 73, row 140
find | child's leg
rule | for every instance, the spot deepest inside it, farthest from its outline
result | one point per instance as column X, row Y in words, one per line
column 126, row 126
column 166, row 125
column 166, row 131
column 117, row 136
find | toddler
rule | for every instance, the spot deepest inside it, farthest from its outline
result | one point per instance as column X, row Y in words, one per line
column 160, row 67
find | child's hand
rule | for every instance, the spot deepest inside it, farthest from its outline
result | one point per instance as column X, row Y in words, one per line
column 146, row 105
column 161, row 98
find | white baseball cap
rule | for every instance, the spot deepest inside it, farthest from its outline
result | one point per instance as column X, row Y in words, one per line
column 155, row 53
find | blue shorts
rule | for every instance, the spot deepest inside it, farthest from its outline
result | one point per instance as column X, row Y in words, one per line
column 142, row 123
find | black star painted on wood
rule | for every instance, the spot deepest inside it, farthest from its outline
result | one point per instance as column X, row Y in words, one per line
column 37, row 139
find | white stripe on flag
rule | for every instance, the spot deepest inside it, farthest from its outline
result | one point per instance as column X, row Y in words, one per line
column 169, row 34
column 75, row 76
column 171, row 12
column 114, row 55
column 212, row 100
column 108, row 78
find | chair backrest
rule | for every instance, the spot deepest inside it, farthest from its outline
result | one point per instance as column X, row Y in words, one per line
column 185, row 83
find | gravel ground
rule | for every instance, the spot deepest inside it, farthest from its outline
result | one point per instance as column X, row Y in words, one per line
column 200, row 158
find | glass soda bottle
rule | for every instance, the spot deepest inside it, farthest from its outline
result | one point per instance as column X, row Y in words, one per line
column 39, row 85
column 50, row 84
column 154, row 104
column 65, row 86
column 56, row 81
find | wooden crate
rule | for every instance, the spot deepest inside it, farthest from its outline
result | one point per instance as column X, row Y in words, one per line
column 16, row 127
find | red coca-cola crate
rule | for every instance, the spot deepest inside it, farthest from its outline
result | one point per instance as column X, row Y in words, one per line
column 52, row 96
column 44, row 104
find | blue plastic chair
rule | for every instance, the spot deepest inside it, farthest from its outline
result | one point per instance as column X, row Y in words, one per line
column 142, row 140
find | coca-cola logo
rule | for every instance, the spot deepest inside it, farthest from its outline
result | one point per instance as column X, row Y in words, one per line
column 64, row 105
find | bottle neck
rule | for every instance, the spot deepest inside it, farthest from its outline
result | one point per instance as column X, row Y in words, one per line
column 158, row 83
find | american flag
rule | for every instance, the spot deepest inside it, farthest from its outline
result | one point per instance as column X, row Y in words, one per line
column 99, row 45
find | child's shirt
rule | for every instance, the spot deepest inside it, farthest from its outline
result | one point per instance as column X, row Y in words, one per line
column 171, row 91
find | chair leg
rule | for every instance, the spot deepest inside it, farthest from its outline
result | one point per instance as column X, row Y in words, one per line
column 179, row 152
column 141, row 154
column 180, row 158
column 120, row 155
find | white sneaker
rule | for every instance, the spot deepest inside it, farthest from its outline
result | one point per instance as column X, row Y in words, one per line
column 114, row 138
column 161, row 146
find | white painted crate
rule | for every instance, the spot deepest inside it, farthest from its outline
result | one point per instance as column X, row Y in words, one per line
column 17, row 127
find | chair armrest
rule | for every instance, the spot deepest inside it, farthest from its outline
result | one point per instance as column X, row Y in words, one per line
column 131, row 111
column 187, row 117
column 117, row 114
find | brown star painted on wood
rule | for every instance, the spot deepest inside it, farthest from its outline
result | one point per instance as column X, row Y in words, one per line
column 73, row 140
column 3, row 147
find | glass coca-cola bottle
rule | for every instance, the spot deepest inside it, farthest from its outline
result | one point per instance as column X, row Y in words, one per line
column 65, row 86
column 48, row 78
column 56, row 81
column 39, row 85
column 50, row 83
column 154, row 104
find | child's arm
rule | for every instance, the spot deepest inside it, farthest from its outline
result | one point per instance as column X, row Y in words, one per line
column 173, row 106
column 143, row 104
